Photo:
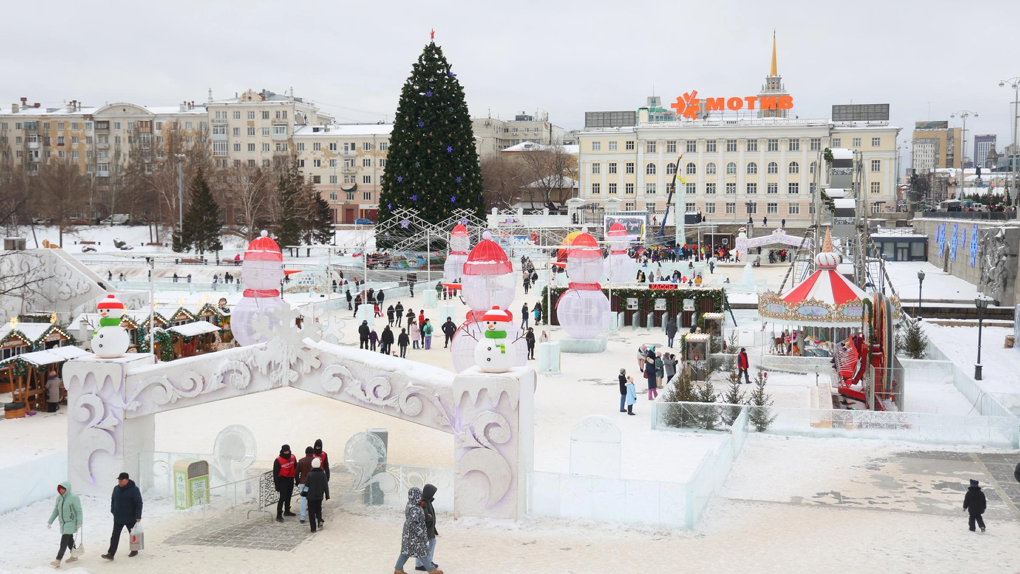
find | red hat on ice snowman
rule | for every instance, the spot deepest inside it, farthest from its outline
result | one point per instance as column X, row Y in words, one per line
column 110, row 303
column 497, row 315
column 263, row 248
column 584, row 246
column 487, row 258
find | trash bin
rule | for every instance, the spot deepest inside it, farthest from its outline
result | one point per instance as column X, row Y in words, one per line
column 14, row 411
column 191, row 483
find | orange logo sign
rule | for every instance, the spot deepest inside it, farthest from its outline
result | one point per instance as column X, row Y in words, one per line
column 688, row 105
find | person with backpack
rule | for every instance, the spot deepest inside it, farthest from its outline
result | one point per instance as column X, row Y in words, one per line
column 68, row 511
column 974, row 503
column 426, row 333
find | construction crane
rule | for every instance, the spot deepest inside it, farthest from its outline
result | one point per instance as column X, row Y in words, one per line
column 669, row 198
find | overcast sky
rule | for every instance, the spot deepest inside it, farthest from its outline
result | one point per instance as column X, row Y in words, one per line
column 561, row 57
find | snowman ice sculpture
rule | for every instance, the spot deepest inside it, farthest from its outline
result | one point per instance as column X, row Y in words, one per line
column 583, row 309
column 110, row 340
column 621, row 265
column 496, row 352
column 262, row 274
column 460, row 242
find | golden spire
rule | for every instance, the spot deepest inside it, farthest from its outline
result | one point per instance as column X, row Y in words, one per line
column 827, row 245
column 775, row 69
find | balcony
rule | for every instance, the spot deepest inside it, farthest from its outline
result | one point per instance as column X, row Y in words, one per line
column 349, row 153
column 280, row 137
column 103, row 145
column 33, row 145
column 219, row 122
column 103, row 173
column 349, row 169
column 102, row 126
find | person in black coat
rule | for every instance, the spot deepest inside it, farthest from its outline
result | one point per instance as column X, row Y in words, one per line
column 529, row 338
column 449, row 329
column 670, row 332
column 349, row 299
column 315, row 491
column 389, row 315
column 974, row 503
column 403, row 341
column 379, row 297
column 126, row 507
column 363, row 333
column 399, row 313
column 428, row 496
column 387, row 340
column 284, row 479
column 623, row 390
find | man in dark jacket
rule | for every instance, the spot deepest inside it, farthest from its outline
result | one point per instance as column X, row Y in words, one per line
column 529, row 338
column 974, row 503
column 448, row 331
column 670, row 331
column 126, row 507
column 304, row 466
column 363, row 332
column 389, row 315
column 1016, row 472
column 399, row 312
column 387, row 340
column 623, row 390
column 403, row 341
column 284, row 477
column 324, row 460
column 315, row 490
column 428, row 495
column 349, row 299
column 379, row 298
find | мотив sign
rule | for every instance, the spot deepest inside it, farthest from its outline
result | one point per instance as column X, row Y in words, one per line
column 689, row 104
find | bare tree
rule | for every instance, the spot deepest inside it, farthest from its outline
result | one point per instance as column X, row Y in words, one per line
column 58, row 193
column 549, row 170
column 502, row 178
column 248, row 189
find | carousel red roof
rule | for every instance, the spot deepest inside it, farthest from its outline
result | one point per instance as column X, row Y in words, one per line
column 826, row 285
column 487, row 258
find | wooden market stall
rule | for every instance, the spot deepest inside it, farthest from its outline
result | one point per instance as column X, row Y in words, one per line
column 28, row 373
column 218, row 315
column 18, row 338
column 195, row 338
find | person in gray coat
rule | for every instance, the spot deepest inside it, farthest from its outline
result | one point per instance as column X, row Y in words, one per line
column 415, row 538
column 669, row 365
column 670, row 331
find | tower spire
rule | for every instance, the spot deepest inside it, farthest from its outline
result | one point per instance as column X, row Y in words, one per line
column 775, row 69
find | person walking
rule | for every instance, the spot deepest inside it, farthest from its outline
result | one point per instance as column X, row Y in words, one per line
column 320, row 454
column 529, row 338
column 387, row 341
column 623, row 390
column 380, row 298
column 742, row 365
column 373, row 338
column 349, row 299
column 449, row 329
column 304, row 466
column 426, row 333
column 428, row 495
column 631, row 395
column 126, row 507
column 670, row 331
column 524, row 316
column 415, row 537
column 527, row 282
column 399, row 312
column 536, row 310
column 68, row 511
column 314, row 492
column 642, row 350
column 389, row 315
column 974, row 503
column 650, row 373
column 284, row 471
column 415, row 333
column 403, row 341
column 409, row 317
column 363, row 333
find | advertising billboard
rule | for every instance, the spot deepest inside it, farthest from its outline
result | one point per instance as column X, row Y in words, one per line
column 934, row 125
column 635, row 223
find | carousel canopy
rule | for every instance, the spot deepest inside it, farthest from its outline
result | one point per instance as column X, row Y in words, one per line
column 825, row 299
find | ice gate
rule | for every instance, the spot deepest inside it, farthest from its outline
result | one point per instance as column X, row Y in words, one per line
column 113, row 403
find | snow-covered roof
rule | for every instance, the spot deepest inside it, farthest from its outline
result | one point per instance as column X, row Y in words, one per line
column 60, row 110
column 562, row 182
column 193, row 329
column 842, row 153
column 34, row 331
column 335, row 130
column 54, row 355
column 532, row 146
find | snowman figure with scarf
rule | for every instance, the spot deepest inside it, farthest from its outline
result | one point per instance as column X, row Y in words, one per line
column 495, row 353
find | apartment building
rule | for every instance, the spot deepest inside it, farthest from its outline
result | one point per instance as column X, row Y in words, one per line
column 494, row 135
column 345, row 163
column 935, row 146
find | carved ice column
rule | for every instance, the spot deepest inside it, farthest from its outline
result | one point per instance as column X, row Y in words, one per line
column 494, row 442
column 101, row 441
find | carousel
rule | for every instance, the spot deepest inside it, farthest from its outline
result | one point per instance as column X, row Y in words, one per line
column 832, row 317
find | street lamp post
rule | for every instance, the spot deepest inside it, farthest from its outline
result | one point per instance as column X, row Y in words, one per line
column 981, row 303
column 964, row 114
column 920, row 283
column 1011, row 157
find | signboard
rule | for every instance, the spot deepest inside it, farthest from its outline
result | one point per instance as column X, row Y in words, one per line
column 936, row 125
column 860, row 112
column 689, row 104
column 660, row 305
column 632, row 303
column 688, row 304
column 662, row 286
column 634, row 223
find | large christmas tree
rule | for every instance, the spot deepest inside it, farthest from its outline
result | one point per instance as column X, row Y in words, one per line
column 432, row 165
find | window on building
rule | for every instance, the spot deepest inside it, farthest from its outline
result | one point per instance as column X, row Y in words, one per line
column 251, row 147
column 237, row 115
column 350, row 195
column 237, row 132
column 650, row 169
column 237, row 147
column 366, row 146
column 816, row 144
column 596, row 168
column 596, row 188
column 794, row 209
column 710, row 208
column 612, row 146
column 650, row 147
column 773, row 144
column 366, row 196
column 650, row 188
column 629, row 146
column 710, row 146
column 811, row 188
column 596, row 146
column 876, row 165
column 316, row 163
column 612, row 167
column 251, row 132
column 836, row 142
column 366, row 162
column 731, row 168
column 752, row 188
column 752, row 145
column 794, row 167
column 265, row 114
column 382, row 162
column 710, row 168
column 691, row 169
column 670, row 146
column 692, row 146
column 794, row 145
column 628, row 188
column 650, row 207
column 332, row 162
column 857, row 142
column 670, row 168
column 752, row 207
column 876, row 187
column 60, row 140
column 265, row 146
column 265, row 163
column 612, row 189
column 709, row 189
column 793, row 188
column 772, row 188
column 731, row 188
column 691, row 188
column 690, row 207
column 813, row 167
column 315, row 178
column 876, row 142
column 773, row 167
column 366, row 179
column 876, row 207
column 771, row 208
column 384, row 146
column 731, row 208
column 301, row 147
column 752, row 168
column 731, row 145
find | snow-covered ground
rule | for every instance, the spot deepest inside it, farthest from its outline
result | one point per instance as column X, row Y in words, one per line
column 937, row 283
